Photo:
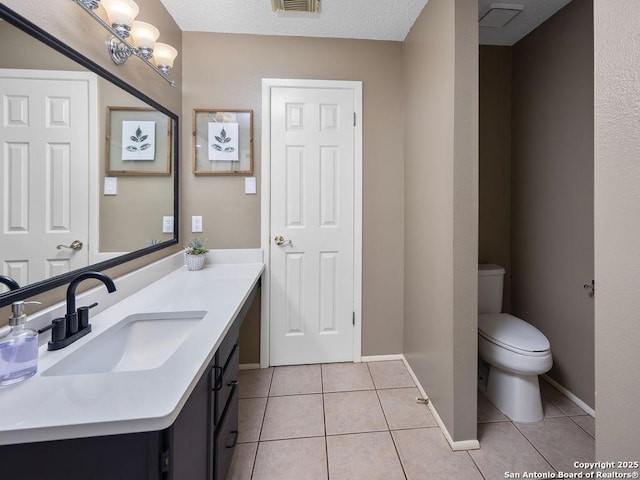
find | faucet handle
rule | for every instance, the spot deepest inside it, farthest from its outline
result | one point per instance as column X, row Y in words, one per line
column 83, row 315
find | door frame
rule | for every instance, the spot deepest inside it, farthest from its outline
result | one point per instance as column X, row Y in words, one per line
column 265, row 214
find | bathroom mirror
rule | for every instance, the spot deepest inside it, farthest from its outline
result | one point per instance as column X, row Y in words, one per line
column 63, row 210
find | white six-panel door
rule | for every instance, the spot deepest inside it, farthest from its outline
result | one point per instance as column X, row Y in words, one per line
column 44, row 172
column 312, row 191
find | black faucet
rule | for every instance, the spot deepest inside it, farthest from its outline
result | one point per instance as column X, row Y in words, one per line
column 71, row 290
column 75, row 323
column 9, row 282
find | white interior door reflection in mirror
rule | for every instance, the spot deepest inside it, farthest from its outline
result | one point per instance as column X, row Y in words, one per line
column 48, row 121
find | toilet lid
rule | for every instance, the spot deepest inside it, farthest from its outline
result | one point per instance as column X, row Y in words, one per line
column 512, row 332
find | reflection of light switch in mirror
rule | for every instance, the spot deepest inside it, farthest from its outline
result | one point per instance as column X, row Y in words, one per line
column 167, row 224
column 249, row 185
column 110, row 185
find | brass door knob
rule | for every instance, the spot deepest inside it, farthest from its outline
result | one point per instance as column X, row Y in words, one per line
column 279, row 240
column 75, row 245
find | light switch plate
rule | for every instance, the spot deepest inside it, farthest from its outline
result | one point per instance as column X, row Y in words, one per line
column 250, row 185
column 110, row 185
column 167, row 224
column 196, row 224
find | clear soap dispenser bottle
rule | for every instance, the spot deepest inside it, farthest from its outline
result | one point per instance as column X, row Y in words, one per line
column 18, row 349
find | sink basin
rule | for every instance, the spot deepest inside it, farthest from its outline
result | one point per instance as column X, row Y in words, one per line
column 142, row 341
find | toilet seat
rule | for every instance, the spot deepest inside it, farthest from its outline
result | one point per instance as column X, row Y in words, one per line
column 513, row 333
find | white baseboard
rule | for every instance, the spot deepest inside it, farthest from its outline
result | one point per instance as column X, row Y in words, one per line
column 383, row 358
column 571, row 396
column 249, row 366
column 455, row 446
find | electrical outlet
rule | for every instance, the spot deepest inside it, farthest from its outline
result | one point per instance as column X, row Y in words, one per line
column 167, row 224
column 196, row 224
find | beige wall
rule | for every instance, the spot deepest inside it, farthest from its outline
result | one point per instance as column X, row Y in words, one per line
column 552, row 173
column 494, row 242
column 225, row 71
column 617, row 228
column 441, row 208
column 66, row 21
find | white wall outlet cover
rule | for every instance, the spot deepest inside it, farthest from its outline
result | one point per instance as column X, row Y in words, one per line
column 167, row 224
column 250, row 185
column 110, row 185
column 196, row 224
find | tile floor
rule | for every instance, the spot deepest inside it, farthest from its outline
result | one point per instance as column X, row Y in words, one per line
column 361, row 421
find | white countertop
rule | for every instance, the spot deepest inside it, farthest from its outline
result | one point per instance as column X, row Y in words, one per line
column 59, row 407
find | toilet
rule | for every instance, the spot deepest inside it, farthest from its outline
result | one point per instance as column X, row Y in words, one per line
column 516, row 351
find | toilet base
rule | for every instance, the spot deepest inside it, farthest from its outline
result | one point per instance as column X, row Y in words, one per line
column 517, row 396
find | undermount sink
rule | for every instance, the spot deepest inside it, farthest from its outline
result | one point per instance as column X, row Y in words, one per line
column 141, row 341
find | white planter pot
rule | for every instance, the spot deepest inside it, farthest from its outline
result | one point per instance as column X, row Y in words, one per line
column 194, row 262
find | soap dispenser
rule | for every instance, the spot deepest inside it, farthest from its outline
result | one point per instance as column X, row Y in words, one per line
column 18, row 349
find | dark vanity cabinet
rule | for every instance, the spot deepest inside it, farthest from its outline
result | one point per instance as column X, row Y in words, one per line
column 198, row 446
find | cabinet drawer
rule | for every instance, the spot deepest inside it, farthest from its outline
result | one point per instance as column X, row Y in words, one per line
column 228, row 344
column 226, row 385
column 226, row 438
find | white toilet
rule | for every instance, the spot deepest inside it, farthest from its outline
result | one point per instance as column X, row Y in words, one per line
column 516, row 351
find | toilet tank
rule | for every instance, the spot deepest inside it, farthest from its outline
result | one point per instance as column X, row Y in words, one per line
column 490, row 283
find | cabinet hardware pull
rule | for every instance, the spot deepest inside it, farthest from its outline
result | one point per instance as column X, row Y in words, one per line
column 235, row 439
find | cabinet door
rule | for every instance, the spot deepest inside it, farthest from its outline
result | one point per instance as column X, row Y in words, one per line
column 226, row 438
column 189, row 444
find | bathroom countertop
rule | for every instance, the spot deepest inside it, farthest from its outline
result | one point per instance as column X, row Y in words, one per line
column 46, row 408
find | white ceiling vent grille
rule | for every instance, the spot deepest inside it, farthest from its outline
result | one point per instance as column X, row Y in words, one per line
column 497, row 15
column 309, row 6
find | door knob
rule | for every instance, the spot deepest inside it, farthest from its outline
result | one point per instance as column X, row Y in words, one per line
column 75, row 245
column 279, row 240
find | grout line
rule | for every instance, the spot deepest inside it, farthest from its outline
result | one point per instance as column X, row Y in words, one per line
column 324, row 421
column 534, row 447
column 476, row 465
column 586, row 431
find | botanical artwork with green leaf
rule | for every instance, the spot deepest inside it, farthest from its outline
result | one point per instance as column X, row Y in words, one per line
column 138, row 140
column 223, row 141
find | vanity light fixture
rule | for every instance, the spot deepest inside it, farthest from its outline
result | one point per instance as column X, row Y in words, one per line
column 131, row 37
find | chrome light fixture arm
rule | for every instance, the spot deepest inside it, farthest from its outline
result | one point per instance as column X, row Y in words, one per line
column 119, row 48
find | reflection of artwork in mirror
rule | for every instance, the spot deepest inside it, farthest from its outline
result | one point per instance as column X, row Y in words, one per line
column 222, row 142
column 138, row 140
column 132, row 145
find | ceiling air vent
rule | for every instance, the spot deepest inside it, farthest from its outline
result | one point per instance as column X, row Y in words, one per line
column 497, row 15
column 309, row 6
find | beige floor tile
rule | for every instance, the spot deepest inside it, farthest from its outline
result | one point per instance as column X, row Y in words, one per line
column 504, row 449
column 425, row 454
column 550, row 410
column 293, row 416
column 587, row 422
column 296, row 380
column 302, row 458
column 390, row 374
column 560, row 441
column 254, row 383
column 345, row 377
column 242, row 463
column 487, row 411
column 353, row 412
column 402, row 411
column 250, row 415
column 366, row 456
column 559, row 400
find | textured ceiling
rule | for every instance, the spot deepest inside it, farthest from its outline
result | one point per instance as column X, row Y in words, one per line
column 364, row 19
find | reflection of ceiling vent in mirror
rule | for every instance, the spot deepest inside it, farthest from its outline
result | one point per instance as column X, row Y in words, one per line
column 309, row 6
column 497, row 15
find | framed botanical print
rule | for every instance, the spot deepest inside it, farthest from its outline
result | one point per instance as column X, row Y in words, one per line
column 222, row 142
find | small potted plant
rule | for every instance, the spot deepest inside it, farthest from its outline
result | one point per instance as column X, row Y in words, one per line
column 194, row 254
